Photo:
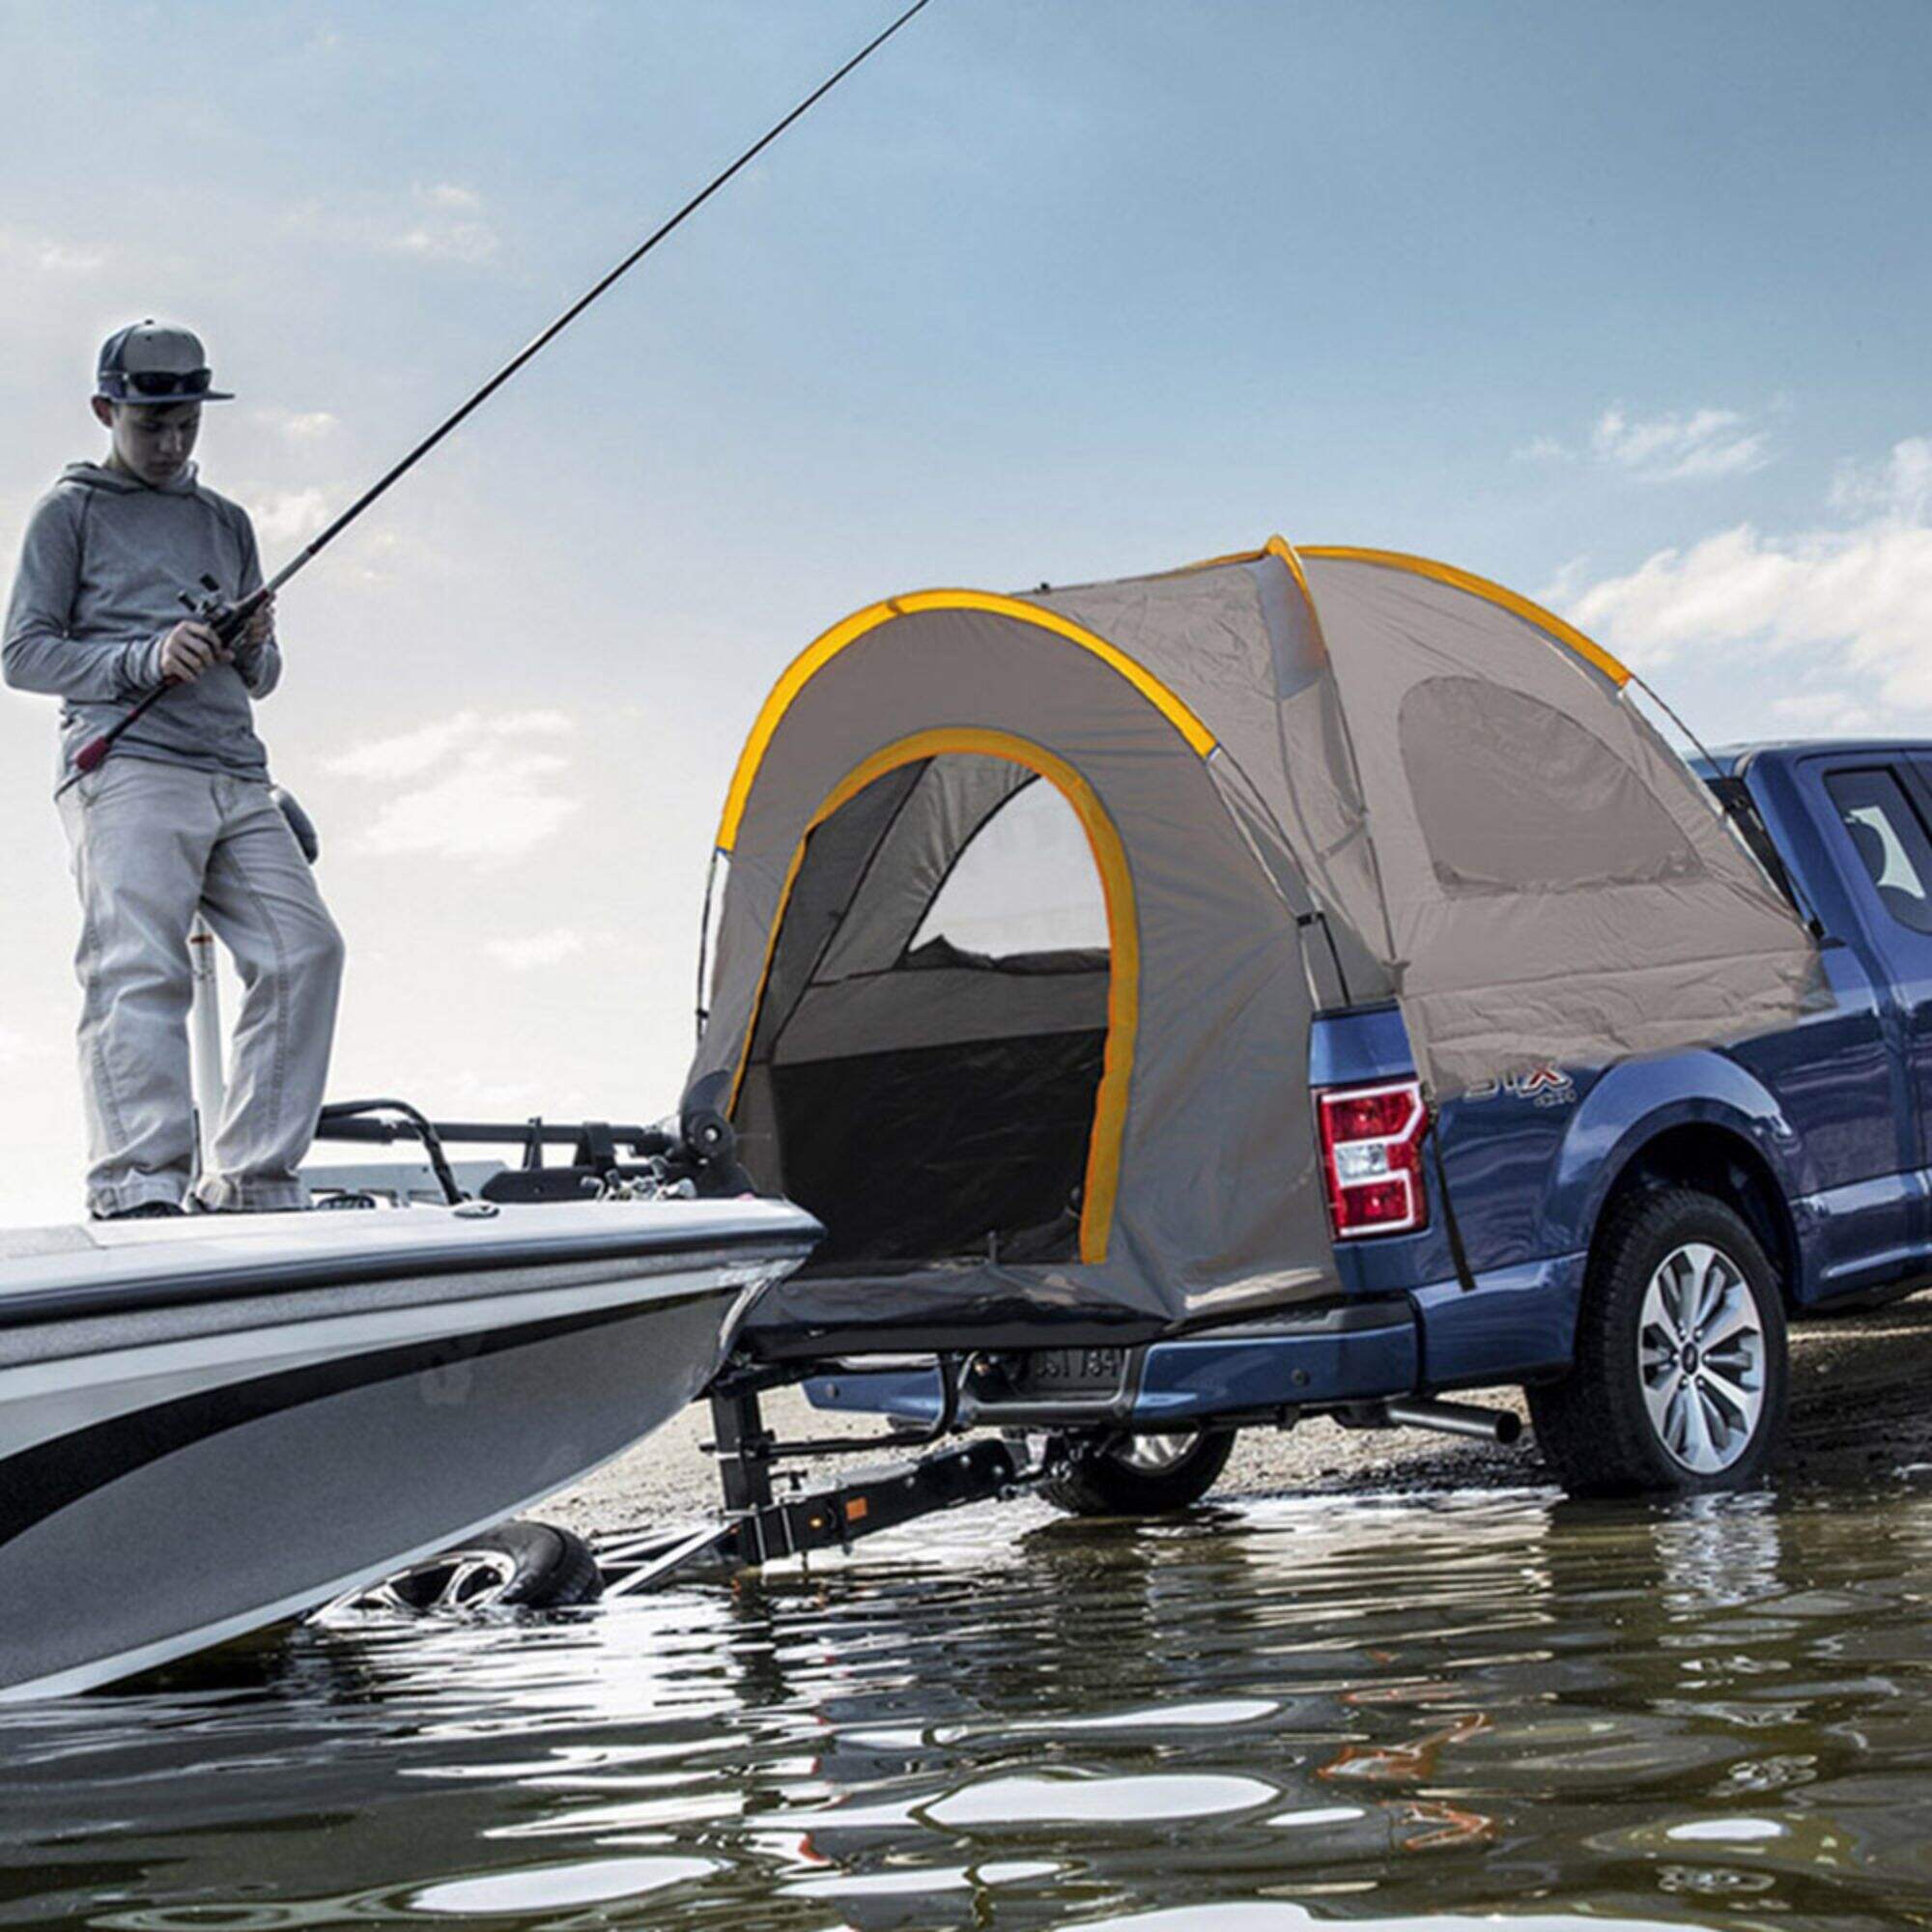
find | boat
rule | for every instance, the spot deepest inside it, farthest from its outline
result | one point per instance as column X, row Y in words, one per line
column 215, row 1424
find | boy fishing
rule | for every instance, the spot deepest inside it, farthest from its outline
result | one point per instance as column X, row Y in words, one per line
column 181, row 816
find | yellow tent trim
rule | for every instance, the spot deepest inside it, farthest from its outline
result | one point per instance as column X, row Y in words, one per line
column 1110, row 860
column 813, row 658
column 1281, row 548
column 1590, row 652
column 1480, row 586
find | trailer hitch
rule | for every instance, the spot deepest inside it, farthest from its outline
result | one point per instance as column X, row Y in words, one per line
column 833, row 1516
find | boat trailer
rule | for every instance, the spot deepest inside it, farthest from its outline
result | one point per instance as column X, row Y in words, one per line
column 759, row 1526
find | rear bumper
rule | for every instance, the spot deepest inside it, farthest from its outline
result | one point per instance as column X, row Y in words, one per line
column 1318, row 1357
column 1515, row 1322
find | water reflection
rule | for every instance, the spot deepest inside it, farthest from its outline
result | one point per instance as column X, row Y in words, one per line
column 1280, row 1714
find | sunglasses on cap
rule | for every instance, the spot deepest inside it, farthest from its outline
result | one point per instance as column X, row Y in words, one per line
column 156, row 384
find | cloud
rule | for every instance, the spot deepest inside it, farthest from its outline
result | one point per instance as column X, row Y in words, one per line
column 299, row 426
column 1899, row 488
column 1859, row 591
column 468, row 732
column 536, row 949
column 1822, row 711
column 489, row 793
column 448, row 226
column 499, row 810
column 441, row 222
column 290, row 516
column 23, row 248
column 1670, row 449
column 1694, row 447
column 14, row 1046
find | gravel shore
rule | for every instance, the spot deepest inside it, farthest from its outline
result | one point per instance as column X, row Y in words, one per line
column 1861, row 1406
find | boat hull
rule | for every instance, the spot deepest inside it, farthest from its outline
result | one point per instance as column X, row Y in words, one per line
column 193, row 1474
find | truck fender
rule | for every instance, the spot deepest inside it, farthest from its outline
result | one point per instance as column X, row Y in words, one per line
column 1638, row 1101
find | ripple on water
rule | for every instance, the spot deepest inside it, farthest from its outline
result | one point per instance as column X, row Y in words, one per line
column 1422, row 1714
column 547, row 1889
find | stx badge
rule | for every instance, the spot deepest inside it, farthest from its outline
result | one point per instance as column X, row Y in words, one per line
column 1541, row 1087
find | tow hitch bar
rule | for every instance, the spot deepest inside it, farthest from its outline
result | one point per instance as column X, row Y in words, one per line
column 758, row 1528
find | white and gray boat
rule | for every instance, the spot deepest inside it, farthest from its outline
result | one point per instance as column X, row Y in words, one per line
column 215, row 1424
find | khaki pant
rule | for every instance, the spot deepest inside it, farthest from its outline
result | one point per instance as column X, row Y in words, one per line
column 152, row 844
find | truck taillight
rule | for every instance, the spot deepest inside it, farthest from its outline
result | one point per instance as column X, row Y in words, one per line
column 1372, row 1157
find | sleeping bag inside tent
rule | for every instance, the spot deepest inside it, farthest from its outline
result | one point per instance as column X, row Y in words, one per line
column 1028, row 904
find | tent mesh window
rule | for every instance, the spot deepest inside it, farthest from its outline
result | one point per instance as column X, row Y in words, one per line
column 933, row 1028
column 1513, row 796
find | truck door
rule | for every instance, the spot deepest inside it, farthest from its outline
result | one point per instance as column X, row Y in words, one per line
column 1886, row 809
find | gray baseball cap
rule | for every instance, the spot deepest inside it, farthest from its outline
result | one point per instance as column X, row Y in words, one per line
column 155, row 363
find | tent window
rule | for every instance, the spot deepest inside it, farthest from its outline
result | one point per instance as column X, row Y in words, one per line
column 1515, row 796
column 1025, row 883
column 936, row 1101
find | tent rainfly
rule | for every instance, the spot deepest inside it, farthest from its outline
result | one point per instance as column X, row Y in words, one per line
column 1306, row 779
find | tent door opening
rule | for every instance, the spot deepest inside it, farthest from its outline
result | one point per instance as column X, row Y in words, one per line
column 928, row 1069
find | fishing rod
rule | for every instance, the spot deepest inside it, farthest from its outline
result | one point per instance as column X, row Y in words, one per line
column 228, row 620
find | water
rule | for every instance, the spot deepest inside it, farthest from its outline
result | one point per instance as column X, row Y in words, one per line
column 1263, row 1716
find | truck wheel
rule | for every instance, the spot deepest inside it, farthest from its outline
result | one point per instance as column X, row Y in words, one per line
column 1679, row 1378
column 1109, row 1475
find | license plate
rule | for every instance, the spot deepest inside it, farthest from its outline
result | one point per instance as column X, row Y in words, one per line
column 1051, row 1372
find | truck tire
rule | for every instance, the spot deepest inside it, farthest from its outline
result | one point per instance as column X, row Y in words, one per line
column 1110, row 1474
column 1679, row 1378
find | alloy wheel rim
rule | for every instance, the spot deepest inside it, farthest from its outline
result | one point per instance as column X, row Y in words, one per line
column 1155, row 1455
column 457, row 1580
column 1701, row 1357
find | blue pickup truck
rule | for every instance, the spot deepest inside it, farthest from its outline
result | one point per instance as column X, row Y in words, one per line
column 1626, row 1243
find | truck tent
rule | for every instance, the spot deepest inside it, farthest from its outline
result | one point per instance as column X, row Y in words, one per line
column 1301, row 779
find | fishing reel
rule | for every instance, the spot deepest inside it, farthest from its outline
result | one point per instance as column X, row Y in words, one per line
column 226, row 619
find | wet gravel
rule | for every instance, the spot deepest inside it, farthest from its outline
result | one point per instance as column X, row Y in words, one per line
column 1861, row 1406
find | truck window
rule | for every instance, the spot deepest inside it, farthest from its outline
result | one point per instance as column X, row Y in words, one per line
column 1889, row 840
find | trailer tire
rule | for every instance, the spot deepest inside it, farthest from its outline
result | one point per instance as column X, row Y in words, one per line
column 518, row 1565
column 1099, row 1474
column 1679, row 1379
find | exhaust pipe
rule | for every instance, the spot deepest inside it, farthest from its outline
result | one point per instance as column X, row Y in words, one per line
column 1456, row 1418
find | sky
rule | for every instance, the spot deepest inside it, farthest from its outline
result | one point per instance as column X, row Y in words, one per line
column 1624, row 307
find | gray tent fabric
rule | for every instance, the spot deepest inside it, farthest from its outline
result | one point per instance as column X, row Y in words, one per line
column 1209, row 1006
column 956, row 797
column 1561, row 889
column 1241, row 646
column 1306, row 779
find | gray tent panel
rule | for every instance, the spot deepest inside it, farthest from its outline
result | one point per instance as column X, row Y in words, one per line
column 1561, row 889
column 1238, row 643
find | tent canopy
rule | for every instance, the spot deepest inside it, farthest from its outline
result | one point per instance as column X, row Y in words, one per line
column 1301, row 780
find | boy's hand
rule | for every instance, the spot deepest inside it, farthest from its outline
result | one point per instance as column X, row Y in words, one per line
column 258, row 630
column 188, row 649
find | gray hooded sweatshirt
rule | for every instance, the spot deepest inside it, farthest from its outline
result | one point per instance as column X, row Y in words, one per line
column 102, row 567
